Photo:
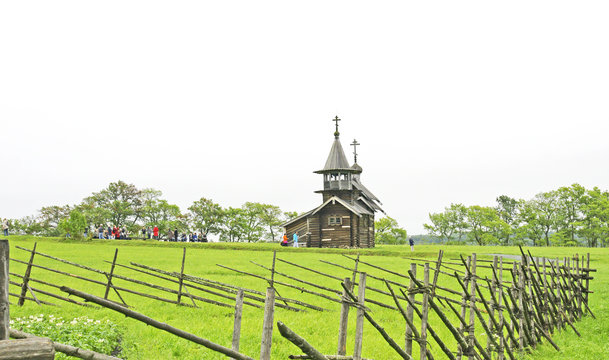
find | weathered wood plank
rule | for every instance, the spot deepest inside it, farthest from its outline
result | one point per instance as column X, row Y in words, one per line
column 4, row 292
column 27, row 349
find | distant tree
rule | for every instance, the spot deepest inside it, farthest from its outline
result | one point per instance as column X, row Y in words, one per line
column 74, row 225
column 50, row 217
column 234, row 224
column 387, row 231
column 164, row 215
column 507, row 209
column 271, row 219
column 448, row 224
column 253, row 224
column 594, row 224
column 545, row 206
column 568, row 214
column 206, row 216
column 531, row 227
column 122, row 202
column 94, row 214
column 485, row 226
column 27, row 225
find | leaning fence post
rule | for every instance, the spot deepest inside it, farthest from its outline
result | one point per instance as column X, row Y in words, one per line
column 26, row 277
column 4, row 305
column 237, row 325
column 267, row 325
column 354, row 272
column 472, row 308
column 410, row 310
column 500, row 309
column 464, row 300
column 344, row 320
column 181, row 280
column 587, row 276
column 359, row 322
column 109, row 275
column 579, row 285
column 519, row 306
column 492, row 305
column 424, row 314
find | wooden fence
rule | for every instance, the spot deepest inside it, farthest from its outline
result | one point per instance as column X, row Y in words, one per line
column 494, row 308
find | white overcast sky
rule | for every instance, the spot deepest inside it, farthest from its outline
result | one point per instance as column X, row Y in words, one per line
column 452, row 101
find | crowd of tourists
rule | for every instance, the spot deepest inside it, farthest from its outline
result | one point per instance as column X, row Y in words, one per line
column 114, row 232
column 107, row 232
column 173, row 235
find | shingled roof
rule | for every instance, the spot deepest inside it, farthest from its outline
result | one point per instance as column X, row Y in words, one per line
column 336, row 159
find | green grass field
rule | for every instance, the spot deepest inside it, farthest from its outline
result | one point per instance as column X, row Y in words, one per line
column 319, row 328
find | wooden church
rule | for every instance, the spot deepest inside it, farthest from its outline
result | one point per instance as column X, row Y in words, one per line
column 346, row 216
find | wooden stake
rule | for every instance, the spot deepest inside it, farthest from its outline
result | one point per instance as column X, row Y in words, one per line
column 472, row 305
column 410, row 310
column 437, row 272
column 181, row 279
column 499, row 282
column 424, row 314
column 492, row 289
column 109, row 275
column 4, row 302
column 587, row 276
column 267, row 325
column 359, row 320
column 26, row 277
column 273, row 270
column 237, row 323
column 464, row 300
column 354, row 273
column 344, row 320
column 519, row 307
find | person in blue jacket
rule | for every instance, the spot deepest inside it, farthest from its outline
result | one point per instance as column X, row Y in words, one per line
column 295, row 238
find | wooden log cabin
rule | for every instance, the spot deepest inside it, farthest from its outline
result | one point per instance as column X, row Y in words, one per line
column 346, row 216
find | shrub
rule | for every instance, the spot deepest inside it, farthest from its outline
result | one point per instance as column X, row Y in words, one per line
column 82, row 332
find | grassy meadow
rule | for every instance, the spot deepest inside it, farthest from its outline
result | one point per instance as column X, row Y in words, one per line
column 319, row 328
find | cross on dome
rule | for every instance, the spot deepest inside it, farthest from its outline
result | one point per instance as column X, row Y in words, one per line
column 355, row 144
column 336, row 120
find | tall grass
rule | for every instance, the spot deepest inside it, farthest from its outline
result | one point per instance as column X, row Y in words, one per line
column 319, row 328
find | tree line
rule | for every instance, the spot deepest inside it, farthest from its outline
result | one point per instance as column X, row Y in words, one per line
column 124, row 205
column 569, row 216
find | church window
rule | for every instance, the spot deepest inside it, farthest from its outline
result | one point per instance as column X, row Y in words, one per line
column 335, row 220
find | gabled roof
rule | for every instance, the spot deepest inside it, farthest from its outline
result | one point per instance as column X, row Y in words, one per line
column 336, row 159
column 358, row 185
column 370, row 204
column 296, row 218
column 356, row 209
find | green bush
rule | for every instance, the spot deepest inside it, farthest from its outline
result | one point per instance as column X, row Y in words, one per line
column 82, row 332
column 74, row 225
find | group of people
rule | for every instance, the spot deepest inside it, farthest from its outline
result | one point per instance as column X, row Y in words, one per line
column 285, row 242
column 114, row 232
column 173, row 235
column 107, row 232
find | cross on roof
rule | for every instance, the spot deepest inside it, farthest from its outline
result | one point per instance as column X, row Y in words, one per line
column 336, row 120
column 355, row 144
